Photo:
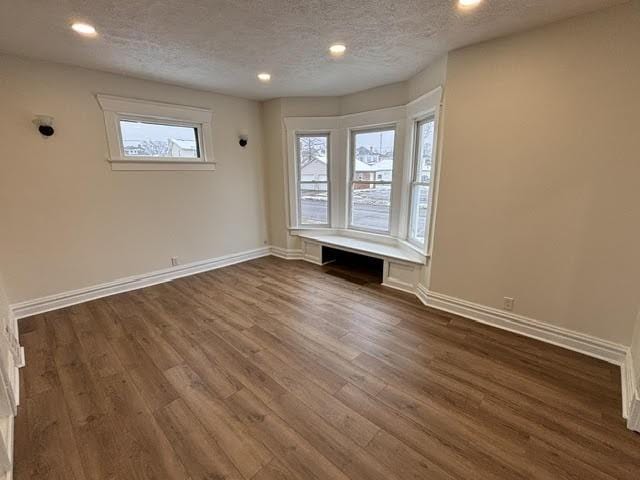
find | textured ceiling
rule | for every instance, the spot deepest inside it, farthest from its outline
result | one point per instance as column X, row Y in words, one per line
column 220, row 45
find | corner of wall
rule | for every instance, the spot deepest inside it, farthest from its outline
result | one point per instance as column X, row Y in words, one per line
column 631, row 381
column 430, row 77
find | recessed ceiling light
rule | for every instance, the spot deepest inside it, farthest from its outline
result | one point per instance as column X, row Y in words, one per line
column 84, row 29
column 264, row 77
column 468, row 3
column 337, row 50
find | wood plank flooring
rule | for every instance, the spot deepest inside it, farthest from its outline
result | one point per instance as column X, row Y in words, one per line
column 274, row 369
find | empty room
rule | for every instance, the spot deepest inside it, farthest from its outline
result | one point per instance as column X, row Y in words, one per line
column 320, row 240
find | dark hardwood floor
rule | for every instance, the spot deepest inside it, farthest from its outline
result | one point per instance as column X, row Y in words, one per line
column 275, row 369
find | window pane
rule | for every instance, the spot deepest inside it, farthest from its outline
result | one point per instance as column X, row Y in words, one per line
column 312, row 155
column 374, row 155
column 314, row 204
column 370, row 206
column 425, row 150
column 142, row 139
column 420, row 211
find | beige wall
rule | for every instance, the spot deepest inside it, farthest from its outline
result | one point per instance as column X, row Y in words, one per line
column 431, row 77
column 374, row 98
column 540, row 182
column 310, row 106
column 394, row 94
column 273, row 113
column 274, row 172
column 68, row 221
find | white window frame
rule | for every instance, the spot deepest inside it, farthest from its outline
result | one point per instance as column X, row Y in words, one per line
column 415, row 182
column 116, row 109
column 311, row 126
column 426, row 106
column 352, row 163
column 299, row 180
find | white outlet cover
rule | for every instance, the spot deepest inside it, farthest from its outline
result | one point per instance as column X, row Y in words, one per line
column 508, row 303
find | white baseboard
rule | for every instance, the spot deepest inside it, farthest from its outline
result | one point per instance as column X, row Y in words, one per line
column 287, row 253
column 627, row 382
column 402, row 287
column 7, row 430
column 630, row 394
column 562, row 337
column 633, row 413
column 65, row 299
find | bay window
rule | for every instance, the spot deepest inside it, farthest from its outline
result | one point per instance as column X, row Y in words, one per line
column 368, row 176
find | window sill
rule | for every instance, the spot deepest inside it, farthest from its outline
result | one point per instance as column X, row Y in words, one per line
column 311, row 228
column 381, row 238
column 387, row 247
column 161, row 165
column 415, row 248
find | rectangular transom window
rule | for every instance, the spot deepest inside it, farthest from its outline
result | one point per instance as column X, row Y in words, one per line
column 421, row 184
column 146, row 139
column 372, row 154
column 147, row 135
column 313, row 179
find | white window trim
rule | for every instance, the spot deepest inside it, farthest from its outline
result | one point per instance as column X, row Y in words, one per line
column 309, row 126
column 352, row 157
column 415, row 183
column 339, row 127
column 119, row 108
column 299, row 180
column 426, row 106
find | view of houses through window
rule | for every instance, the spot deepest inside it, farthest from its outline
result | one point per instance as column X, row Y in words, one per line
column 372, row 167
column 313, row 178
column 372, row 159
column 421, row 185
column 144, row 139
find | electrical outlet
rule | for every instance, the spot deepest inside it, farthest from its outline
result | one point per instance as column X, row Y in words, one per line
column 174, row 261
column 508, row 304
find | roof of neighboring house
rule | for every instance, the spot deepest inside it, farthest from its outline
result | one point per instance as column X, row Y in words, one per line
column 381, row 166
column 370, row 151
column 184, row 144
column 321, row 159
column 363, row 167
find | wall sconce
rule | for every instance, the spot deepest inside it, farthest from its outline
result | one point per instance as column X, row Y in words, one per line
column 243, row 139
column 44, row 124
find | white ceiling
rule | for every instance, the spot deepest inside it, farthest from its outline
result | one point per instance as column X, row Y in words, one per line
column 220, row 45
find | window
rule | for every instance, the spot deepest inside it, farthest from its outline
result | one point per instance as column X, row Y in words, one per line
column 369, row 175
column 372, row 153
column 422, row 181
column 144, row 135
column 145, row 139
column 313, row 179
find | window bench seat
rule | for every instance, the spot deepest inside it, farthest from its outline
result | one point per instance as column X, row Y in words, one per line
column 402, row 264
column 366, row 247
